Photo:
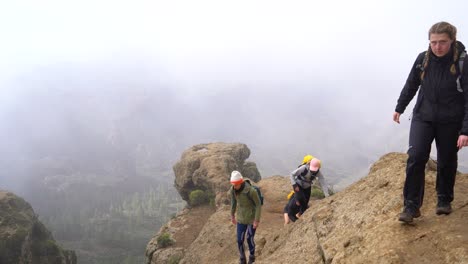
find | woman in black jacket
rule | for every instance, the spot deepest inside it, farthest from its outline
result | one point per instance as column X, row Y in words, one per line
column 440, row 113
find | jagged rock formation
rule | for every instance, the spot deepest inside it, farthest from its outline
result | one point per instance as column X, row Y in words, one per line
column 356, row 225
column 206, row 167
column 24, row 239
column 209, row 166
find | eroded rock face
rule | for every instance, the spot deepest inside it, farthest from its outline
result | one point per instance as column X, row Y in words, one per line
column 24, row 239
column 208, row 167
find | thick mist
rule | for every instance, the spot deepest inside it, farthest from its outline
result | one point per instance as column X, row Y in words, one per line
column 99, row 99
column 122, row 122
column 126, row 90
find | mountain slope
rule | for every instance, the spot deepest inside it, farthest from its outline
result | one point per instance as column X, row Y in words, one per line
column 359, row 225
column 356, row 225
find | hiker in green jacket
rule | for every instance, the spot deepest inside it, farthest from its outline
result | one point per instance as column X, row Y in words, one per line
column 245, row 213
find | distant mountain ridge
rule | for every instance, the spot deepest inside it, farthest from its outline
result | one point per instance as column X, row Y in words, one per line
column 357, row 225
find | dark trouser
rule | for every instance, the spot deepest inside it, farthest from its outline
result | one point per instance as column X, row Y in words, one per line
column 303, row 196
column 241, row 231
column 422, row 133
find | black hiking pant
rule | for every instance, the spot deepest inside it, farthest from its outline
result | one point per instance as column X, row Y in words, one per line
column 422, row 133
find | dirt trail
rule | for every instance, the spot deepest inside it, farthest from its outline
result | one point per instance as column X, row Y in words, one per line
column 191, row 224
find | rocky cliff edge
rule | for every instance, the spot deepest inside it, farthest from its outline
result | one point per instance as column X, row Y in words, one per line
column 24, row 239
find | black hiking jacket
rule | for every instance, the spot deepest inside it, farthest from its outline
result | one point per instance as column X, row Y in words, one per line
column 438, row 98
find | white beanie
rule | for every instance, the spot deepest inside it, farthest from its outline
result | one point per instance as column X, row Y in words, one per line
column 236, row 177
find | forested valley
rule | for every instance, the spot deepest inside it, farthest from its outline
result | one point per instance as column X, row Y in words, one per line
column 107, row 224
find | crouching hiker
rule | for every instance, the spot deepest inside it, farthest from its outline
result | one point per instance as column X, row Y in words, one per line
column 292, row 211
column 245, row 213
column 302, row 179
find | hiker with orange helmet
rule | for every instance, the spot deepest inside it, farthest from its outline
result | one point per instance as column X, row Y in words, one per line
column 246, row 210
column 302, row 179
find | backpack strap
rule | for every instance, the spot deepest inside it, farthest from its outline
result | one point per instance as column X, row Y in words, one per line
column 248, row 193
column 461, row 60
column 304, row 173
column 250, row 196
column 420, row 66
column 460, row 67
column 255, row 189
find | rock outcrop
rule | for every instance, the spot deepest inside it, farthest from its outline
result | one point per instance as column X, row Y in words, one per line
column 204, row 167
column 357, row 225
column 209, row 166
column 24, row 239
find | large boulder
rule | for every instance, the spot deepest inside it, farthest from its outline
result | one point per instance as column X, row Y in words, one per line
column 208, row 167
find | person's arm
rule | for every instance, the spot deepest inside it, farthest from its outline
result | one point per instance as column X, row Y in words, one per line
column 463, row 138
column 294, row 175
column 323, row 183
column 233, row 206
column 411, row 87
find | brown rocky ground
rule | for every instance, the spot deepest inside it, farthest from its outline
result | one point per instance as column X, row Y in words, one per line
column 356, row 225
column 187, row 228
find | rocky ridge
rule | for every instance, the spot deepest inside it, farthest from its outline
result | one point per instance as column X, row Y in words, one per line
column 356, row 225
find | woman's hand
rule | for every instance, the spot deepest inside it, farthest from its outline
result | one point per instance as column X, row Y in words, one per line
column 396, row 117
column 462, row 141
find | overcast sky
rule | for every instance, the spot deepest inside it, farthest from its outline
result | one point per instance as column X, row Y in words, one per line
column 357, row 52
column 196, row 41
column 201, row 45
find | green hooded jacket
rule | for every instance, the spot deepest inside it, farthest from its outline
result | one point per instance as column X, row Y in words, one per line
column 247, row 205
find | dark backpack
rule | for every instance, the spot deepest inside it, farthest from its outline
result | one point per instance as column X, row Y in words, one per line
column 259, row 192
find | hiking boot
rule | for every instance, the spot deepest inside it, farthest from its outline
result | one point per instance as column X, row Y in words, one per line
column 417, row 213
column 408, row 214
column 443, row 208
column 251, row 259
column 242, row 261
